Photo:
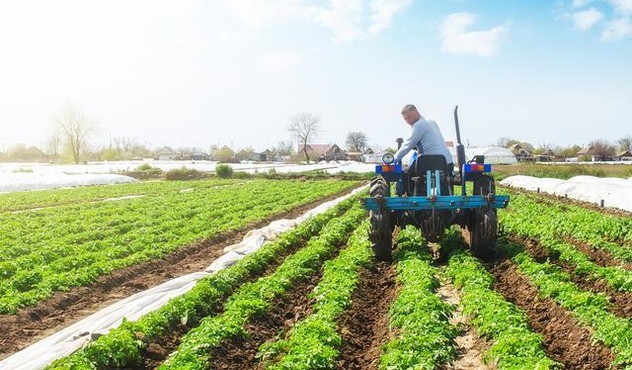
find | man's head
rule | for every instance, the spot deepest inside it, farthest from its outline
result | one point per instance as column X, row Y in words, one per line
column 410, row 114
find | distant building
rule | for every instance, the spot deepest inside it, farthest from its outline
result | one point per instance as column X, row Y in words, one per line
column 200, row 156
column 592, row 153
column 166, row 153
column 547, row 156
column 323, row 152
column 33, row 154
column 624, row 156
column 264, row 156
column 521, row 153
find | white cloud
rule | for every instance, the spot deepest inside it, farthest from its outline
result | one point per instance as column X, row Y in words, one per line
column 622, row 6
column 258, row 14
column 280, row 61
column 617, row 29
column 383, row 11
column 347, row 19
column 343, row 17
column 585, row 19
column 580, row 3
column 456, row 39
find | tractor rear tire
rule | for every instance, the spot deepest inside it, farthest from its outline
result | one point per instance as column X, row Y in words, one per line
column 381, row 222
column 483, row 224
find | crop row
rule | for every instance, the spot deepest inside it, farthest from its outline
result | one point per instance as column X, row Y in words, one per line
column 514, row 344
column 591, row 309
column 16, row 201
column 51, row 250
column 256, row 298
column 124, row 346
column 558, row 221
column 425, row 337
column 313, row 343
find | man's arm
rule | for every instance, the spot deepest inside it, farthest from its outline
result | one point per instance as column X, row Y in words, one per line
column 411, row 142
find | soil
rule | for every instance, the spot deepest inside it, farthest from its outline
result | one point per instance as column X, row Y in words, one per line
column 565, row 339
column 365, row 326
column 470, row 347
column 621, row 301
column 65, row 308
column 240, row 353
column 599, row 256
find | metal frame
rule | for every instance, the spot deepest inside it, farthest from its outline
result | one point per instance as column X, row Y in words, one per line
column 451, row 202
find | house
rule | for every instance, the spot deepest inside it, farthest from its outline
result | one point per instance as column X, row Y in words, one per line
column 547, row 156
column 166, row 153
column 591, row 152
column 33, row 154
column 334, row 153
column 625, row 155
column 264, row 156
column 521, row 153
column 200, row 156
column 314, row 151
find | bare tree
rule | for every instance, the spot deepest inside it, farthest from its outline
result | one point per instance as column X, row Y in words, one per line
column 284, row 148
column 356, row 141
column 504, row 142
column 76, row 128
column 52, row 147
column 303, row 127
column 625, row 143
column 602, row 149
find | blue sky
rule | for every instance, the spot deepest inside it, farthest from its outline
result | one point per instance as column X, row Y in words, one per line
column 197, row 73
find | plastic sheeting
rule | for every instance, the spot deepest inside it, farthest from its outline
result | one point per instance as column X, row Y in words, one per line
column 614, row 192
column 21, row 181
column 493, row 154
column 68, row 340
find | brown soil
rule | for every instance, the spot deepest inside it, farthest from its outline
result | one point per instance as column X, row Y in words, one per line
column 621, row 301
column 65, row 308
column 470, row 347
column 365, row 326
column 240, row 353
column 565, row 339
column 599, row 256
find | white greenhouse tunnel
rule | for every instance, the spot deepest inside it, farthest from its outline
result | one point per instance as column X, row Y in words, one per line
column 607, row 192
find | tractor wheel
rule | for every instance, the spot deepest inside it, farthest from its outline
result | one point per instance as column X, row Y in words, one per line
column 382, row 239
column 381, row 222
column 483, row 224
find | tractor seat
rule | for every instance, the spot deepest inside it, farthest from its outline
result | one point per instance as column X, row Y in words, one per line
column 430, row 162
column 415, row 178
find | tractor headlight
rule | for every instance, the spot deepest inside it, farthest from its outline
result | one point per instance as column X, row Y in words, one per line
column 388, row 158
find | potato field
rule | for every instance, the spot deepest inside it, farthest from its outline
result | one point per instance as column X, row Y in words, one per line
column 557, row 295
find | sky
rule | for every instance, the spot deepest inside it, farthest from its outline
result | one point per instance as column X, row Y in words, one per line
column 198, row 73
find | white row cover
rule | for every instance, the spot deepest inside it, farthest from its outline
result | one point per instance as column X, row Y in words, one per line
column 21, row 181
column 68, row 340
column 614, row 192
column 37, row 176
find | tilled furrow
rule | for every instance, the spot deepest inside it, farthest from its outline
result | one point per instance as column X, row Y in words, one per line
column 240, row 352
column 565, row 339
column 365, row 326
column 470, row 347
column 621, row 301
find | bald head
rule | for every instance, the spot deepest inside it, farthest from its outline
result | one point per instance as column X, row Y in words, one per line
column 410, row 114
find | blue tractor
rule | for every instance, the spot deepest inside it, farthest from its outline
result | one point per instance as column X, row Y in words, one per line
column 425, row 198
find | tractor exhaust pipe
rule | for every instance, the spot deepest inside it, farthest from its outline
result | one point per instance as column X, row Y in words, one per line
column 460, row 150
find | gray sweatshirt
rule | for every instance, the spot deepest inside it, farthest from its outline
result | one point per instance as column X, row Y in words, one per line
column 426, row 136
